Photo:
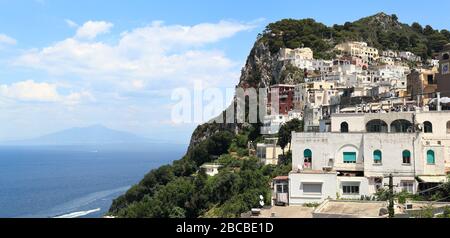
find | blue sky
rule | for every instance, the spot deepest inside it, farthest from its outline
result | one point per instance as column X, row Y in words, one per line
column 111, row 62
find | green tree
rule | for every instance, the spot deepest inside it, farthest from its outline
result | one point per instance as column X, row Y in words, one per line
column 417, row 27
column 285, row 132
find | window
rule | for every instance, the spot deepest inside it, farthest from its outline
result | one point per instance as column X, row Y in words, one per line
column 445, row 68
column 315, row 188
column 344, row 127
column 376, row 126
column 307, row 154
column 430, row 79
column 350, row 189
column 377, row 157
column 279, row 188
column 430, row 157
column 282, row 188
column 427, row 127
column 448, row 127
column 401, row 126
column 406, row 157
column 445, row 56
column 407, row 186
column 349, row 157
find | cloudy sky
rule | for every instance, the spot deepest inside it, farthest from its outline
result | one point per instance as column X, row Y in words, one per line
column 76, row 63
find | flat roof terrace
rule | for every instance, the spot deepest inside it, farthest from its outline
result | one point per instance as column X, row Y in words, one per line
column 349, row 209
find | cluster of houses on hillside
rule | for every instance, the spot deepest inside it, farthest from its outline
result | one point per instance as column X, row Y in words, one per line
column 367, row 114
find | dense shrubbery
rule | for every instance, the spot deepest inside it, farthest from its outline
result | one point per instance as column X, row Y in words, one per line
column 182, row 190
column 380, row 31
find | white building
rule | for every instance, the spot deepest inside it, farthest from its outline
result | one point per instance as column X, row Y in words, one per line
column 387, row 60
column 296, row 54
column 302, row 58
column 322, row 65
column 354, row 158
column 390, row 53
column 406, row 55
column 211, row 169
column 272, row 124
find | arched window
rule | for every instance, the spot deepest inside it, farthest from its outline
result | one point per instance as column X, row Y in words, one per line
column 377, row 157
column 407, row 157
column 445, row 56
column 344, row 127
column 430, row 157
column 448, row 127
column 427, row 127
column 307, row 162
column 401, row 126
column 377, row 126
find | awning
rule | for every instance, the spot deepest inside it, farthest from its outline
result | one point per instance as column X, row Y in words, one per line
column 444, row 100
column 281, row 178
column 433, row 179
column 348, row 109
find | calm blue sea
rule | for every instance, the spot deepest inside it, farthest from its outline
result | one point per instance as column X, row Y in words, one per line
column 74, row 181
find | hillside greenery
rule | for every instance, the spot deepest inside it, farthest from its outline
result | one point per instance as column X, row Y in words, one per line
column 184, row 190
column 381, row 31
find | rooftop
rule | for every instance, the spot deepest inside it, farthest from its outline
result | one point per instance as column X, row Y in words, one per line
column 281, row 178
column 287, row 212
column 335, row 208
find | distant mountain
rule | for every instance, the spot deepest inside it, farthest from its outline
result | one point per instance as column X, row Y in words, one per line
column 96, row 134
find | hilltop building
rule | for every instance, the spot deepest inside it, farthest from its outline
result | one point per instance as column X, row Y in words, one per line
column 359, row 49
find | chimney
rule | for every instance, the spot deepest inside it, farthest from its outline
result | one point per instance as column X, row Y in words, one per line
column 438, row 107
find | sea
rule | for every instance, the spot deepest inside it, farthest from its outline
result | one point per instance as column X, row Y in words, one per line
column 75, row 181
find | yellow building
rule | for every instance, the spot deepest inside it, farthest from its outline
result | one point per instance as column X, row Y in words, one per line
column 359, row 49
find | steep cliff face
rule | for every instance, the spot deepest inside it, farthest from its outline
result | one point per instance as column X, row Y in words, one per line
column 262, row 69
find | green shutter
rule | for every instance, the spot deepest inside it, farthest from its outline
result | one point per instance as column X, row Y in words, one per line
column 430, row 157
column 307, row 153
column 349, row 157
column 406, row 154
column 377, row 156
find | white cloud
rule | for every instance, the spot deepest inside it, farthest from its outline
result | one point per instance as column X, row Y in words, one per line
column 129, row 77
column 4, row 39
column 91, row 29
column 31, row 91
column 71, row 23
column 173, row 55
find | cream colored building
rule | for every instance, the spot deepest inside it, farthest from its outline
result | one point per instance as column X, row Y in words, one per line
column 315, row 94
column 269, row 151
column 296, row 54
column 359, row 49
